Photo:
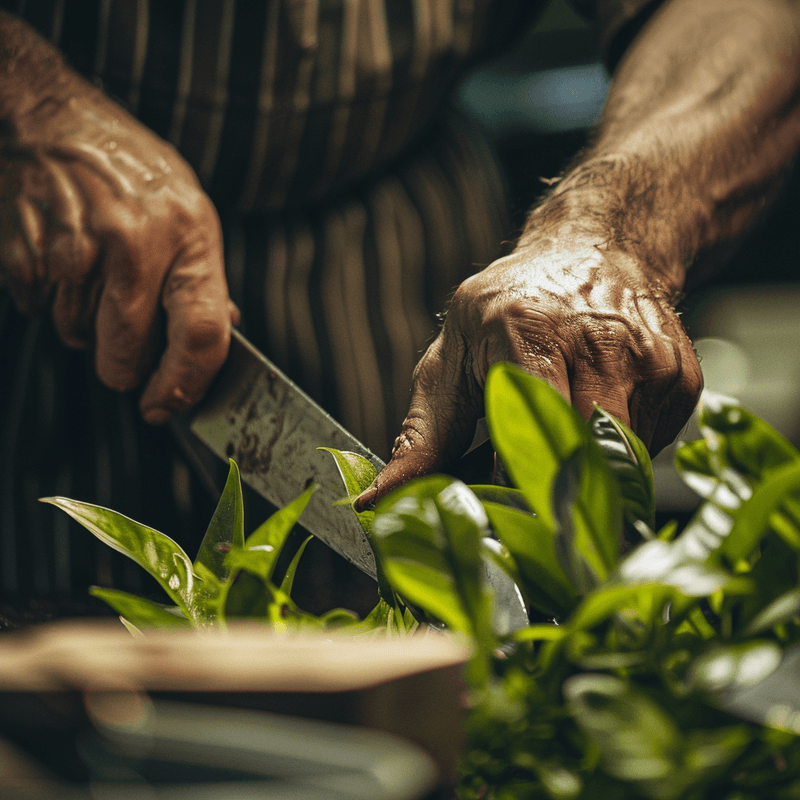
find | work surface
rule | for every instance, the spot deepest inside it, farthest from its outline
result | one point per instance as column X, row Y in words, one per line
column 58, row 681
column 103, row 655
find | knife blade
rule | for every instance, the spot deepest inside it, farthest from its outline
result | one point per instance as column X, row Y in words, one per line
column 258, row 416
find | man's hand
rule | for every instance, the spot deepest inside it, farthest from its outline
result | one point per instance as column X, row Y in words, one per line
column 701, row 124
column 105, row 225
column 591, row 322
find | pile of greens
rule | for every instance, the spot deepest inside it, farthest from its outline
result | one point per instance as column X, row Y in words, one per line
column 656, row 669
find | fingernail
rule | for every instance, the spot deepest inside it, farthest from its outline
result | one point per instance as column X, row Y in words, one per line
column 366, row 500
column 155, row 416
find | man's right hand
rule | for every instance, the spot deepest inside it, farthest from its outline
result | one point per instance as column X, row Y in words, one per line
column 595, row 323
column 104, row 224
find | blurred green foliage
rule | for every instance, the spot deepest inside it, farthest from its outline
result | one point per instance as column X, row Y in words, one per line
column 656, row 668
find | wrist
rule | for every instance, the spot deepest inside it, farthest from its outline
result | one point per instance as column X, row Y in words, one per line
column 613, row 204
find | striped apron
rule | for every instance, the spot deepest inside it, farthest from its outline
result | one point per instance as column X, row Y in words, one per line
column 353, row 201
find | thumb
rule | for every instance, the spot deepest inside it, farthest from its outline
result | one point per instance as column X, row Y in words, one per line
column 446, row 403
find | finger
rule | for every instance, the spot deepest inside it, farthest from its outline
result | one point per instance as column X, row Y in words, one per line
column 625, row 369
column 70, row 254
column 73, row 312
column 30, row 296
column 532, row 340
column 199, row 316
column 679, row 403
column 446, row 403
column 21, row 235
column 621, row 389
column 127, row 325
column 235, row 314
column 608, row 388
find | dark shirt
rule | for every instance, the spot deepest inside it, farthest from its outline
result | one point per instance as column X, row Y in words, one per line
column 280, row 104
column 353, row 202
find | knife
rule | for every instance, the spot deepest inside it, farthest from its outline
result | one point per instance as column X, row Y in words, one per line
column 256, row 415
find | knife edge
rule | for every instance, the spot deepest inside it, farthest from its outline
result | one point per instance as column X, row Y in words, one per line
column 258, row 416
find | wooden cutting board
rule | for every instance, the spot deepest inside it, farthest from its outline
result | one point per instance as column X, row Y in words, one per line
column 409, row 686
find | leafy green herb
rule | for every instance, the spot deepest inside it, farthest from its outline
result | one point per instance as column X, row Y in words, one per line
column 635, row 691
column 666, row 672
column 230, row 580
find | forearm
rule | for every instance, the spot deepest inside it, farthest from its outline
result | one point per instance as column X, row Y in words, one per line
column 701, row 124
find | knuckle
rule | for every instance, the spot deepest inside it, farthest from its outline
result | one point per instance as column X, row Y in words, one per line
column 523, row 317
column 17, row 259
column 120, row 378
column 409, row 437
column 511, row 314
column 69, row 331
column 468, row 290
column 194, row 215
column 611, row 336
column 205, row 339
column 429, row 366
column 689, row 385
column 528, row 332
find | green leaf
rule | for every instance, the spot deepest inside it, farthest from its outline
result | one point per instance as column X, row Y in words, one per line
column 428, row 537
column 668, row 531
column 339, row 618
column 379, row 619
column 255, row 560
column 266, row 543
column 637, row 740
column 131, row 628
column 251, row 597
column 565, row 501
column 226, row 528
column 666, row 563
column 744, row 442
column 358, row 473
column 383, row 620
column 724, row 489
column 784, row 608
column 163, row 558
column 630, row 462
column 598, row 513
column 540, row 633
column 734, row 666
column 753, row 519
column 589, row 512
column 700, row 624
column 776, row 570
column 696, row 467
column 288, row 578
column 531, row 545
column 501, row 496
column 708, row 753
column 207, row 590
column 546, row 432
column 559, row 782
column 140, row 611
column 610, row 599
column 640, row 743
column 705, row 532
